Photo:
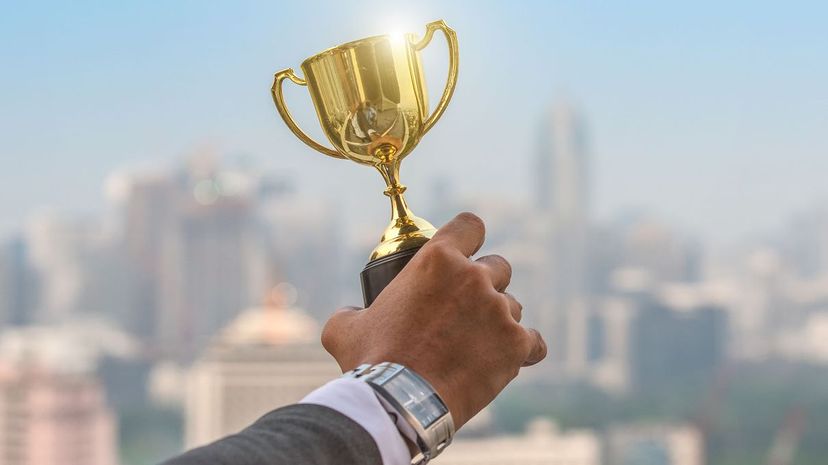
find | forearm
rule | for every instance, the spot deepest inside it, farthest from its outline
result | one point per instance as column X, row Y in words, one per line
column 302, row 434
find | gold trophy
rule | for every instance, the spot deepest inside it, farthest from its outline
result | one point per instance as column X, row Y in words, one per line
column 370, row 97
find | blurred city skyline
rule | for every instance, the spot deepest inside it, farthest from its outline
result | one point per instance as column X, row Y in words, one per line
column 652, row 172
column 212, row 266
column 710, row 116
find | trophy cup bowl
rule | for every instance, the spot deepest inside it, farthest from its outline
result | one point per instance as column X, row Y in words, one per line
column 371, row 100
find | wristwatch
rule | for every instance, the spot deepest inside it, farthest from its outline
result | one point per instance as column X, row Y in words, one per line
column 407, row 396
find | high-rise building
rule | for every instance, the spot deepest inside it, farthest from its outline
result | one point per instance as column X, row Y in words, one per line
column 18, row 284
column 208, row 272
column 78, row 267
column 149, row 208
column 53, row 411
column 673, row 346
column 50, row 418
column 196, row 252
column 655, row 339
column 266, row 358
column 562, row 182
column 609, row 344
column 562, row 198
column 805, row 242
column 56, row 246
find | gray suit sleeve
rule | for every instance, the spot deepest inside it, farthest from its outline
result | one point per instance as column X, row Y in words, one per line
column 301, row 434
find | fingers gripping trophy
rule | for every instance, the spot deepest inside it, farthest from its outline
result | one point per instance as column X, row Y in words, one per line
column 370, row 97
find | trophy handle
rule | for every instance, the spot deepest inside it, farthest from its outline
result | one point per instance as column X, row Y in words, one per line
column 279, row 100
column 454, row 57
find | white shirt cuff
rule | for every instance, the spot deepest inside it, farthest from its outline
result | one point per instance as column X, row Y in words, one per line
column 357, row 401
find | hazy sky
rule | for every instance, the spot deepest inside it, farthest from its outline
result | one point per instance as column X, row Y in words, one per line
column 712, row 114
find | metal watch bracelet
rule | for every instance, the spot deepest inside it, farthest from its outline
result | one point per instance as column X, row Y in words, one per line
column 414, row 400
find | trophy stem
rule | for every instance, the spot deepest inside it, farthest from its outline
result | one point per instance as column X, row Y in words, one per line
column 400, row 213
column 406, row 230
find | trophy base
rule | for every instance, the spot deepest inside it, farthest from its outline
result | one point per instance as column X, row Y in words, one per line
column 378, row 273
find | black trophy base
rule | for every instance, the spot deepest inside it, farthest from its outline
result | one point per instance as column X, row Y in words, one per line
column 378, row 273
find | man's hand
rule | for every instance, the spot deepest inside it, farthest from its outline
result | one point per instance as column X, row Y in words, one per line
column 447, row 318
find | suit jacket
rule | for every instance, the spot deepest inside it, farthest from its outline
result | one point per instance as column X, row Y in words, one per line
column 301, row 434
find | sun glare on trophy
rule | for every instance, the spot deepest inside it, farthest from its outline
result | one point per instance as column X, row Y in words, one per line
column 397, row 37
column 398, row 30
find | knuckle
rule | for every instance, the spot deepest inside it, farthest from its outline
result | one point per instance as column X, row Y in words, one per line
column 437, row 251
column 478, row 276
column 328, row 338
column 505, row 303
column 332, row 332
column 515, row 334
column 515, row 307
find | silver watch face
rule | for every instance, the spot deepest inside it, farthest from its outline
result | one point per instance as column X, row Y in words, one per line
column 416, row 397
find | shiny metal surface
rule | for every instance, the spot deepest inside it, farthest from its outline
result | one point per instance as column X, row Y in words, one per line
column 409, row 400
column 371, row 100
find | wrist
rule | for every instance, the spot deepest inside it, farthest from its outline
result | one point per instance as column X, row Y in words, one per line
column 444, row 386
column 420, row 414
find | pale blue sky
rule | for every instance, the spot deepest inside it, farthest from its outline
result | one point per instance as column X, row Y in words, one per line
column 712, row 114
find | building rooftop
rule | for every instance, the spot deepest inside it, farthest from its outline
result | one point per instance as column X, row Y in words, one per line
column 270, row 325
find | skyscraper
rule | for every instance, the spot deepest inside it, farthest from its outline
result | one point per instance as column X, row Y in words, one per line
column 562, row 199
column 196, row 252
column 148, row 209
column 48, row 418
column 18, row 284
column 562, row 182
column 53, row 410
column 56, row 247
